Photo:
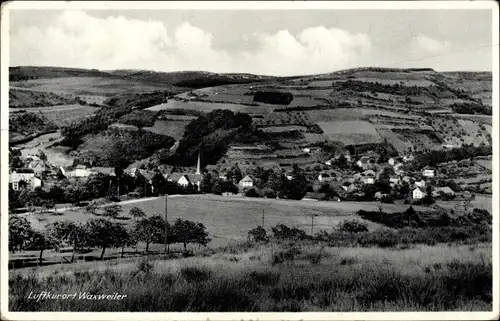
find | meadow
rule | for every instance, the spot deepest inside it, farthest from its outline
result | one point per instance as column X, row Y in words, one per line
column 230, row 218
column 209, row 106
column 250, row 277
column 173, row 128
column 350, row 132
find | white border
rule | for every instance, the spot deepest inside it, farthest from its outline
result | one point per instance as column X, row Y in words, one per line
column 240, row 5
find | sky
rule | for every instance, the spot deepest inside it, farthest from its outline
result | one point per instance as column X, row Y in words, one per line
column 267, row 42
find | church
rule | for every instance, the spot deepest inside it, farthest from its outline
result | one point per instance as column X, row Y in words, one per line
column 184, row 179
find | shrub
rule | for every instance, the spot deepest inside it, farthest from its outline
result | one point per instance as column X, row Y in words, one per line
column 352, row 226
column 283, row 232
column 258, row 234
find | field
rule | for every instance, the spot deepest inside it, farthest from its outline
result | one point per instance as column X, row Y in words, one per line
column 55, row 155
column 350, row 132
column 65, row 114
column 88, row 86
column 173, row 128
column 230, row 218
column 208, row 106
column 419, row 278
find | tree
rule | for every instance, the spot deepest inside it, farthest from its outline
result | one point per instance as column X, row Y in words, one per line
column 41, row 241
column 258, row 234
column 207, row 183
column 150, row 230
column 69, row 232
column 113, row 211
column 217, row 187
column 42, row 155
column 158, row 182
column 137, row 213
column 185, row 232
column 19, row 232
column 104, row 234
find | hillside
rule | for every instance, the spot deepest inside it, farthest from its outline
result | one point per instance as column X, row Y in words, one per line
column 411, row 110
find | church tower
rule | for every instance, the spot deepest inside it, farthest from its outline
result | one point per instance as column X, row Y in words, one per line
column 198, row 166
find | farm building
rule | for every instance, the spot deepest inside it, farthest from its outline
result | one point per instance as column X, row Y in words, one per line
column 246, row 182
column 79, row 171
column 103, row 170
column 418, row 193
column 24, row 175
column 443, row 191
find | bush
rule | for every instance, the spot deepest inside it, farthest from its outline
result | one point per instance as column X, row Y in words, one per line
column 283, row 232
column 258, row 234
column 196, row 274
column 352, row 226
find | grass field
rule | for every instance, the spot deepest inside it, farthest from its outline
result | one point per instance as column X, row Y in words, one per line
column 90, row 86
column 420, row 278
column 65, row 114
column 350, row 132
column 208, row 107
column 230, row 218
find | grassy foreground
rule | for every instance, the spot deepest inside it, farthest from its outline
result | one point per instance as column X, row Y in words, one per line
column 274, row 277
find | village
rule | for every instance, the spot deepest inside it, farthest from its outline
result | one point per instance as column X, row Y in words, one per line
column 363, row 178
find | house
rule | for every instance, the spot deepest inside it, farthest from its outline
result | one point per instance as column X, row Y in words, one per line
column 369, row 172
column 37, row 165
column 350, row 188
column 428, row 172
column 24, row 175
column 394, row 180
column 441, row 191
column 421, row 183
column 324, row 177
column 379, row 195
column 408, row 179
column 79, row 171
column 314, row 196
column 184, row 179
column 398, row 168
column 369, row 177
column 365, row 162
column 246, row 182
column 408, row 158
column 418, row 193
column 391, row 161
column 110, row 171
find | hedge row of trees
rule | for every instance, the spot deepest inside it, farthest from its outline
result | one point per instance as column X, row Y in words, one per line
column 436, row 157
column 104, row 234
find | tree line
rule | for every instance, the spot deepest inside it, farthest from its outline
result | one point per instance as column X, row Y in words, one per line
column 104, row 233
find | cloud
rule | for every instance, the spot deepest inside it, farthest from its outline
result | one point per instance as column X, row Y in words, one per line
column 425, row 44
column 78, row 39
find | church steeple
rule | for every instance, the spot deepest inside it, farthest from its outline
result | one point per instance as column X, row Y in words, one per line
column 198, row 166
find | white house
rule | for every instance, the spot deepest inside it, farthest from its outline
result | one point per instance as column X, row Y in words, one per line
column 420, row 184
column 418, row 193
column 394, row 180
column 184, row 179
column 369, row 180
column 27, row 176
column 246, row 182
column 79, row 171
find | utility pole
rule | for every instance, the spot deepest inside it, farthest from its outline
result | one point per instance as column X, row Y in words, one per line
column 312, row 223
column 166, row 225
column 263, row 218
